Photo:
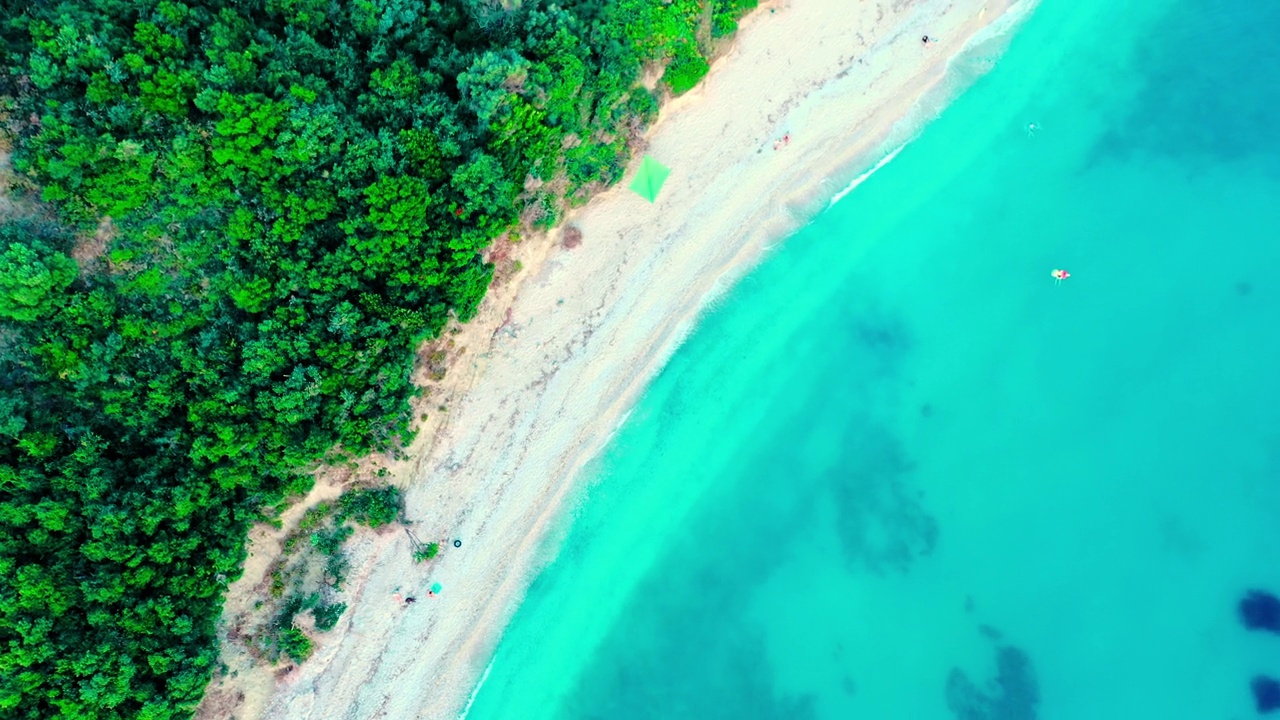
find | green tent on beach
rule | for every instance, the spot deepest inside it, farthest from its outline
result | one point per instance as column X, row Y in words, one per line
column 648, row 180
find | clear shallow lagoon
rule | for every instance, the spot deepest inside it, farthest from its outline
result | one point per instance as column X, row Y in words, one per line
column 899, row 473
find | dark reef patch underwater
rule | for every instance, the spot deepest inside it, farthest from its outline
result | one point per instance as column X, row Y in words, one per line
column 1260, row 610
column 1266, row 694
column 1012, row 695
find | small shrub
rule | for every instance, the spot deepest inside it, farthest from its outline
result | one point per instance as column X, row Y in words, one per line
column 685, row 70
column 725, row 14
column 595, row 162
column 315, row 516
column 643, row 104
column 374, row 507
column 327, row 615
column 546, row 214
column 288, row 610
column 329, row 542
column 300, row 485
column 294, row 643
column 426, row 552
column 336, row 570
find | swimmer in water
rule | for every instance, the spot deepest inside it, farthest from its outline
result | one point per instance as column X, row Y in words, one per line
column 1031, row 129
column 1059, row 276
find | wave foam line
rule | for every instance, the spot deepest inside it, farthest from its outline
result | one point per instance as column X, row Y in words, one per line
column 476, row 690
column 863, row 177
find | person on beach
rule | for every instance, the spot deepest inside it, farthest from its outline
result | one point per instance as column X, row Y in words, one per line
column 410, row 600
column 1059, row 276
column 925, row 39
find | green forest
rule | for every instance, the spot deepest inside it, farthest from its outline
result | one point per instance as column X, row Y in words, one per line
column 301, row 193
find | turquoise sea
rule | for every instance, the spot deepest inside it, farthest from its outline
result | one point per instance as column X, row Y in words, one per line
column 899, row 472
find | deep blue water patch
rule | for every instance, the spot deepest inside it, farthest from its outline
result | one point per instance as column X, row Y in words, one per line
column 1266, row 694
column 1260, row 610
column 1012, row 694
column 1182, row 109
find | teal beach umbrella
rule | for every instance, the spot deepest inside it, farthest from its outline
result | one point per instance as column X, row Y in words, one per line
column 648, row 180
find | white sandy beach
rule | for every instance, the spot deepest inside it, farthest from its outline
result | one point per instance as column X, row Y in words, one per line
column 533, row 399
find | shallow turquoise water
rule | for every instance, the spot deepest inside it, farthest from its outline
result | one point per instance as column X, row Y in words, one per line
column 899, row 473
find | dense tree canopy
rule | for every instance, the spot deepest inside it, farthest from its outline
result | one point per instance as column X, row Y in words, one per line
column 301, row 193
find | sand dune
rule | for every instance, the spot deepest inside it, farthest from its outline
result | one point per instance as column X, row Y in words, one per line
column 555, row 359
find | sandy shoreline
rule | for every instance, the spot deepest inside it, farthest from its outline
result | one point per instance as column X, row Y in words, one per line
column 557, row 357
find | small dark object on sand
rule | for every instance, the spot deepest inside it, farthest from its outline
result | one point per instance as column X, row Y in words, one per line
column 1260, row 610
column 925, row 39
column 1266, row 694
column 457, row 543
column 572, row 238
column 410, row 600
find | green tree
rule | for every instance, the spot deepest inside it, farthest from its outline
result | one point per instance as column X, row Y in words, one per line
column 31, row 280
